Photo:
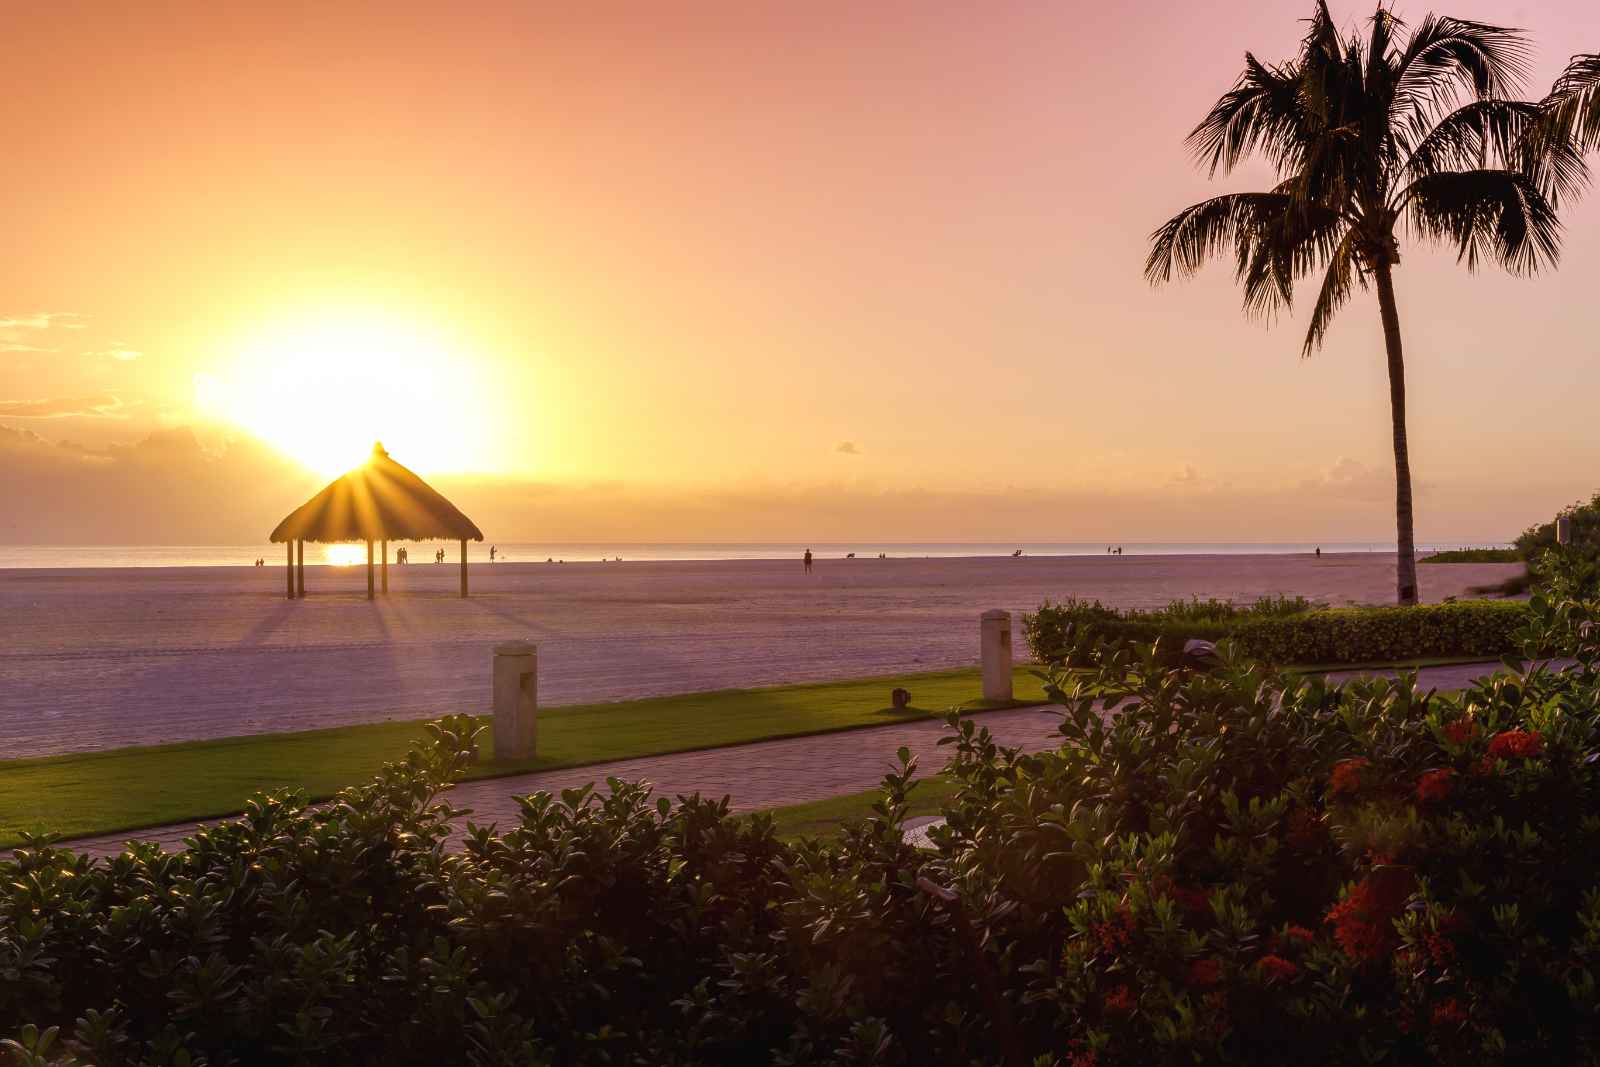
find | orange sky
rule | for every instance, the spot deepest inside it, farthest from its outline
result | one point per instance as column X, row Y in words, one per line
column 667, row 262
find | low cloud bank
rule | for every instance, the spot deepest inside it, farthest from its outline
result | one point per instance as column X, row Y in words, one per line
column 170, row 489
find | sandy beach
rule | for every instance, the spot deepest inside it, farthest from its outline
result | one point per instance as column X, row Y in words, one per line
column 93, row 659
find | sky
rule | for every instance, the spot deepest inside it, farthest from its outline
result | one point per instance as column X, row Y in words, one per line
column 720, row 271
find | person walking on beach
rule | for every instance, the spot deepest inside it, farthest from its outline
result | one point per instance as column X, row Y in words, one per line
column 1319, row 551
column 808, row 561
column 491, row 553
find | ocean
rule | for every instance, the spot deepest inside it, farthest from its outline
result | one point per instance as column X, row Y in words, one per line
column 35, row 557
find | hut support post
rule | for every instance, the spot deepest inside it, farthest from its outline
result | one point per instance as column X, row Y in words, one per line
column 385, row 566
column 369, row 570
column 463, row 566
column 289, row 570
column 300, row 569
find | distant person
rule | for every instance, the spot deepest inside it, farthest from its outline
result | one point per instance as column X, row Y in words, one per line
column 808, row 561
column 1119, row 550
column 491, row 553
column 1319, row 551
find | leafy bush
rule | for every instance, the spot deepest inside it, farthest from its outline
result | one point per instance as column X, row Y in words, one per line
column 1070, row 632
column 1585, row 531
column 1235, row 867
column 1474, row 555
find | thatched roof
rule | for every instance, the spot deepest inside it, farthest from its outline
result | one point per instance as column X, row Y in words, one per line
column 378, row 501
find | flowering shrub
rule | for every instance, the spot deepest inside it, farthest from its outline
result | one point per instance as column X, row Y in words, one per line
column 1234, row 867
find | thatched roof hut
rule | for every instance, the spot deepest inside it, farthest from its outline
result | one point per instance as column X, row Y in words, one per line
column 379, row 501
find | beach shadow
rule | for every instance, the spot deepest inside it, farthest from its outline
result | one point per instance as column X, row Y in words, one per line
column 271, row 622
column 910, row 711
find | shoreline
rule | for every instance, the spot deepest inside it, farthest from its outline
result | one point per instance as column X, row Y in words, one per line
column 525, row 566
column 92, row 659
column 53, row 558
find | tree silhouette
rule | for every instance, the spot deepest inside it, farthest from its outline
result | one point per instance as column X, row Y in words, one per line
column 1415, row 132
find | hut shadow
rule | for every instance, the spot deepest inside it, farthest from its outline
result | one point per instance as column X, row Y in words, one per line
column 268, row 624
column 514, row 616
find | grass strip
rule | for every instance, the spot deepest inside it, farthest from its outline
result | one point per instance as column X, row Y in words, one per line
column 825, row 818
column 133, row 788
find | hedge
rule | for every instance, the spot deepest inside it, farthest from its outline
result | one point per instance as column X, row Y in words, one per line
column 1059, row 633
column 1236, row 867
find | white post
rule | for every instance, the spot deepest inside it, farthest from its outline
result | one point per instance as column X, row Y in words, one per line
column 994, row 641
column 516, row 700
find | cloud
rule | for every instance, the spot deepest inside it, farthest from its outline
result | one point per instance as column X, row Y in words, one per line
column 104, row 405
column 67, row 320
column 118, row 350
column 1188, row 476
column 848, row 448
column 1355, row 480
column 17, row 346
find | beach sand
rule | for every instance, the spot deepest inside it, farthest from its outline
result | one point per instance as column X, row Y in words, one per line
column 93, row 659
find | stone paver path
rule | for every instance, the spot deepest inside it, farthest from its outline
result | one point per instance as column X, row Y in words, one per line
column 767, row 774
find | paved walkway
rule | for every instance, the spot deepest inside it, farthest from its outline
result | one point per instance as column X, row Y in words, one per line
column 767, row 774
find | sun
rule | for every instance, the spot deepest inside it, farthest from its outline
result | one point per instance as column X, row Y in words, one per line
column 322, row 388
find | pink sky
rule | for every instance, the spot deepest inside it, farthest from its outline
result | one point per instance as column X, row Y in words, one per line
column 688, row 251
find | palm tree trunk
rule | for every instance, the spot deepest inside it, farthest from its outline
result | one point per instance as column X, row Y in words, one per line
column 1406, row 556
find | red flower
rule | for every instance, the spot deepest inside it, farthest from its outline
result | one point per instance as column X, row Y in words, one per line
column 1194, row 901
column 1363, row 922
column 1305, row 831
column 1205, row 973
column 1440, row 948
column 1461, row 731
column 1082, row 1059
column 1516, row 744
column 1121, row 1001
column 1449, row 1013
column 1434, row 786
column 1277, row 969
column 1116, row 933
column 1346, row 776
column 1296, row 937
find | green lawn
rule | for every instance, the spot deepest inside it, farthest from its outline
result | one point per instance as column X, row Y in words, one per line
column 131, row 788
column 823, row 818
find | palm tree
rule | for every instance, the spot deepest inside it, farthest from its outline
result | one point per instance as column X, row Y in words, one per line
column 1400, row 131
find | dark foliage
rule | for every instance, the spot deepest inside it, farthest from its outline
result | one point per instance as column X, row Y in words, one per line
column 1473, row 555
column 1069, row 633
column 1234, row 867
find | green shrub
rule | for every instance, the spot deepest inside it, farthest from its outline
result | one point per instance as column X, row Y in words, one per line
column 1069, row 633
column 1233, row 867
column 1585, row 531
column 1474, row 555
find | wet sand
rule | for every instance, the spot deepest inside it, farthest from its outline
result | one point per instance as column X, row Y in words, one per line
column 93, row 659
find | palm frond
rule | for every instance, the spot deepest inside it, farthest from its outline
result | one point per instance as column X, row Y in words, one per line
column 1262, row 112
column 1337, row 283
column 1499, row 214
column 1573, row 105
column 1447, row 58
column 1236, row 222
column 1474, row 135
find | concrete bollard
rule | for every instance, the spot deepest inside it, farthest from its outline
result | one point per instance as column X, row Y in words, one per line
column 994, row 642
column 516, row 700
